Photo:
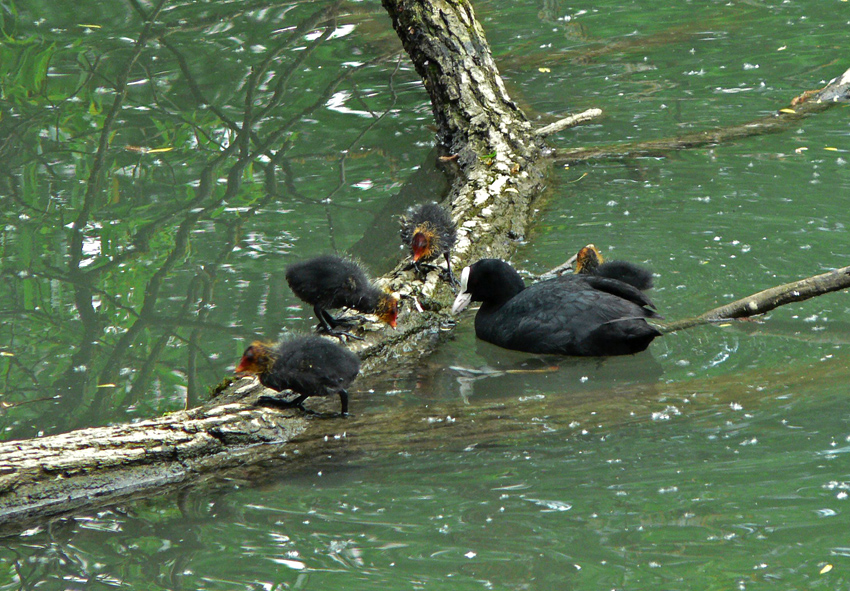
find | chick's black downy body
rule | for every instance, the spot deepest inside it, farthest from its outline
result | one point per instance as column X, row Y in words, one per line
column 330, row 282
column 570, row 315
column 309, row 366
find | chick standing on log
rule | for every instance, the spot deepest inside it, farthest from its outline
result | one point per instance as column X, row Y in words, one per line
column 589, row 261
column 328, row 282
column 429, row 232
column 309, row 366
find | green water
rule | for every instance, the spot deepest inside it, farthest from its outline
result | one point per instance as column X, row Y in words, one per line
column 716, row 460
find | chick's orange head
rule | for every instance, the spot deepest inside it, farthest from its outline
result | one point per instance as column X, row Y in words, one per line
column 255, row 359
column 388, row 309
column 588, row 258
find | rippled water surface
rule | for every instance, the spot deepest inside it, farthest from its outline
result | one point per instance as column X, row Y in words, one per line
column 715, row 460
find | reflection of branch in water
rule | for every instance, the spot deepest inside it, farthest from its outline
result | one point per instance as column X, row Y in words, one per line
column 528, row 55
column 375, row 120
column 197, row 93
column 206, row 280
column 93, row 181
column 73, row 382
column 469, row 375
column 142, row 379
column 189, row 21
column 13, row 360
column 110, row 370
column 320, row 101
column 285, row 76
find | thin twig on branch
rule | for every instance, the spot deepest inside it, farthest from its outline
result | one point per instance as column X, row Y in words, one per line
column 568, row 122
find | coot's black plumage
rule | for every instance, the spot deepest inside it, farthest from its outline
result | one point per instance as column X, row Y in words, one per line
column 309, row 366
column 589, row 261
column 329, row 281
column 429, row 232
column 570, row 315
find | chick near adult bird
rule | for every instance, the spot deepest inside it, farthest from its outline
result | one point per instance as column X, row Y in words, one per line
column 589, row 261
column 309, row 366
column 569, row 315
column 429, row 232
column 329, row 282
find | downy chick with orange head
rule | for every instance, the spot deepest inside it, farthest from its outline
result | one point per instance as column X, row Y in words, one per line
column 429, row 232
column 589, row 261
column 309, row 366
column 329, row 282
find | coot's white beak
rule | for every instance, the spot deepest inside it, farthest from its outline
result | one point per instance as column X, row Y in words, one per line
column 464, row 297
column 461, row 301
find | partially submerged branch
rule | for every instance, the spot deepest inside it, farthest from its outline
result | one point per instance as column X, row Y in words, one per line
column 46, row 475
column 765, row 301
column 808, row 103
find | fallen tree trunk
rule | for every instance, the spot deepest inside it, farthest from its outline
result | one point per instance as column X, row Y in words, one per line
column 48, row 475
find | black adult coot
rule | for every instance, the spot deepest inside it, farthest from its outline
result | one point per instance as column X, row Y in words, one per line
column 329, row 281
column 589, row 261
column 429, row 232
column 309, row 366
column 570, row 315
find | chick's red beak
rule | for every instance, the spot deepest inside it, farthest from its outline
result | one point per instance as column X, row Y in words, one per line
column 420, row 246
column 243, row 365
column 391, row 316
column 390, row 313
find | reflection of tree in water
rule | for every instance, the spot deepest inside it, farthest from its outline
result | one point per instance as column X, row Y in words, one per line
column 117, row 241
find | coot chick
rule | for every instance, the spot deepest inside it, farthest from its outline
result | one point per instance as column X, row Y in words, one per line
column 309, row 366
column 589, row 261
column 429, row 232
column 565, row 316
column 329, row 281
